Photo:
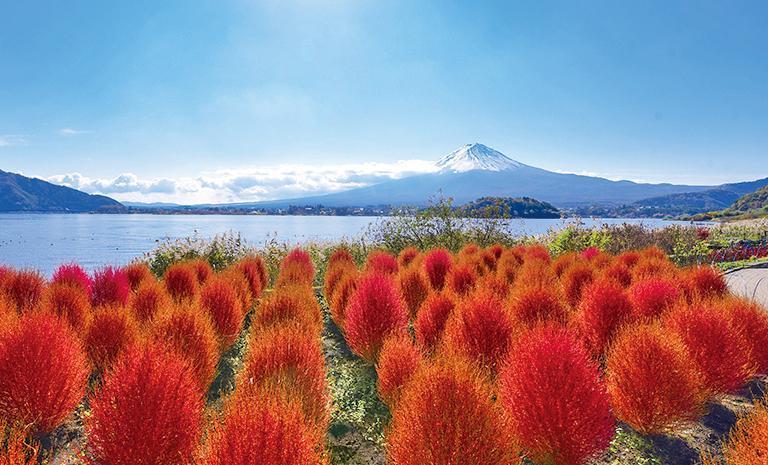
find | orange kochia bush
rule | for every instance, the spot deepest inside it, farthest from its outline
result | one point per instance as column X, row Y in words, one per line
column 111, row 330
column 446, row 415
column 149, row 298
column 292, row 302
column 653, row 382
column 181, row 282
column 554, row 398
column 69, row 302
column 414, row 287
column 296, row 268
column 43, row 372
column 604, row 308
column 219, row 300
column 747, row 442
column 431, row 319
column 24, row 289
column 437, row 263
column 398, row 361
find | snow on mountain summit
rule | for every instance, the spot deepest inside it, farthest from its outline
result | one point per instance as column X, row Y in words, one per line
column 476, row 157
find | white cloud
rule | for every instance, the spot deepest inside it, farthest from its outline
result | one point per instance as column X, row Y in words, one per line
column 11, row 140
column 248, row 184
column 72, row 132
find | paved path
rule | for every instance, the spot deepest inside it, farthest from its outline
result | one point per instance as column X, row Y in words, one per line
column 751, row 283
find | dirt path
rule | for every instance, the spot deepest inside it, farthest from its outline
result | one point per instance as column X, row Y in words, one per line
column 751, row 283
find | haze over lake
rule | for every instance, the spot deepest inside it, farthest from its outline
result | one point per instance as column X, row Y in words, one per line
column 44, row 241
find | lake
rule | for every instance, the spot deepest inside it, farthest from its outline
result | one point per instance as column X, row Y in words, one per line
column 44, row 241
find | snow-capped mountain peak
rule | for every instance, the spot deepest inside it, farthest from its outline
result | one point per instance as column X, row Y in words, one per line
column 476, row 157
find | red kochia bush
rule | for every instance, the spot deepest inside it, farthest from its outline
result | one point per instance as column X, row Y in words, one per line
column 25, row 288
column 481, row 329
column 341, row 256
column 705, row 281
column 533, row 304
column 716, row 345
column 73, row 275
column 574, row 280
column 437, row 263
column 255, row 271
column 296, row 268
column 181, row 282
column 431, row 319
column 148, row 299
column 43, row 372
column 263, row 430
column 137, row 273
column 110, row 287
column 111, row 331
column 461, row 279
column 603, row 310
column 750, row 319
column 375, row 312
column 651, row 296
column 68, row 302
column 407, row 256
column 219, row 300
column 414, row 287
column 555, row 401
column 287, row 361
column 382, row 262
column 397, row 364
column 149, row 411
column 652, row 380
column 446, row 415
column 190, row 333
column 333, row 275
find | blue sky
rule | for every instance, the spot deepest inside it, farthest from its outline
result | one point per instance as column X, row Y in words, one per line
column 210, row 100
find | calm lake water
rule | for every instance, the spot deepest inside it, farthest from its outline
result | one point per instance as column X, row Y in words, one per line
column 44, row 241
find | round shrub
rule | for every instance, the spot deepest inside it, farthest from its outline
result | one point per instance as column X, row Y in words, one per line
column 604, row 308
column 461, row 279
column 25, row 288
column 750, row 319
column 431, row 319
column 341, row 256
column 68, row 302
column 398, row 361
column 203, row 269
column 535, row 304
column 219, row 300
column 507, row 266
column 181, row 282
column 618, row 272
column 747, row 442
column 43, row 373
column 287, row 361
column 263, row 430
column 290, row 303
column 240, row 284
column 414, row 287
column 446, row 415
column 333, row 275
column 381, row 262
column 482, row 329
column 556, row 403
column 296, row 268
column 407, row 256
column 574, row 280
column 341, row 296
column 437, row 263
column 255, row 271
column 137, row 273
column 651, row 296
column 190, row 333
column 653, row 382
column 717, row 346
column 148, row 411
column 705, row 281
column 375, row 312
column 111, row 330
column 110, row 287
column 74, row 275
column 149, row 298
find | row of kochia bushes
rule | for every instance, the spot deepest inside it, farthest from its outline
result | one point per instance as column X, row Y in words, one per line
column 490, row 355
column 143, row 353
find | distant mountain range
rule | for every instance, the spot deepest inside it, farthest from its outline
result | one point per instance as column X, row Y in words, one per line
column 475, row 171
column 472, row 172
column 22, row 194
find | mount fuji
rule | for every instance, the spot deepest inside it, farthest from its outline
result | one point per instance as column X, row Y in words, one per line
column 475, row 170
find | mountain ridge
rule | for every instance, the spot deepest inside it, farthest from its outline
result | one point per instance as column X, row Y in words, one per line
column 19, row 193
